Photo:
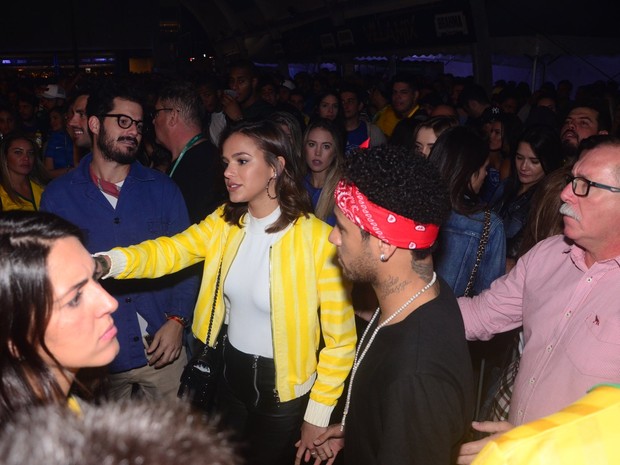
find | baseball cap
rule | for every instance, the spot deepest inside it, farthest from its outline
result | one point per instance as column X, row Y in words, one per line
column 54, row 91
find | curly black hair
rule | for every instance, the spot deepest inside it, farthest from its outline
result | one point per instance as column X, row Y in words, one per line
column 400, row 181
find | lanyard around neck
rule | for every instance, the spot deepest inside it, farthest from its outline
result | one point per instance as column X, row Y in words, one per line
column 188, row 146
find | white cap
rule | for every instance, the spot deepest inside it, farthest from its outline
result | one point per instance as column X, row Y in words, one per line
column 54, row 91
column 288, row 84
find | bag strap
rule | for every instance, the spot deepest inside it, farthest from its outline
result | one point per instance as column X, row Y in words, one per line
column 217, row 288
column 484, row 239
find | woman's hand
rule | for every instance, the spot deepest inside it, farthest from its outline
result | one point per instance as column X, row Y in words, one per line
column 102, row 266
column 306, row 448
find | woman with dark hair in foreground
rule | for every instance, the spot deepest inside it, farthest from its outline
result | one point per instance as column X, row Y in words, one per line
column 56, row 318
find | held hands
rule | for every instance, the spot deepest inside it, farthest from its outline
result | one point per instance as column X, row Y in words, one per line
column 325, row 446
column 306, row 449
column 469, row 450
column 166, row 345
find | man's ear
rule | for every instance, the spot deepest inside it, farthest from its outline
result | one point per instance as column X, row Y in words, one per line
column 94, row 124
column 386, row 250
column 173, row 118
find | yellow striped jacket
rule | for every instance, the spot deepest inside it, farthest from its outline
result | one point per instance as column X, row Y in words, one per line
column 304, row 278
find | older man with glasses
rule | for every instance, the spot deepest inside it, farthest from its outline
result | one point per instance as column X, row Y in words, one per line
column 116, row 201
column 566, row 294
column 196, row 166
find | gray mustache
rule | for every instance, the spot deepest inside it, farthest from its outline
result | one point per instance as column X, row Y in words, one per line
column 567, row 210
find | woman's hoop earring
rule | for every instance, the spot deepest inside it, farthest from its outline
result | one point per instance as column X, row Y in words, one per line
column 383, row 258
column 267, row 189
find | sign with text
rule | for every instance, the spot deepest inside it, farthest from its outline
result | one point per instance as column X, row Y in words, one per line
column 389, row 32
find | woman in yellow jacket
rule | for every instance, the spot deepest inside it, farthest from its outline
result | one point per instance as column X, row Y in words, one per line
column 22, row 175
column 280, row 291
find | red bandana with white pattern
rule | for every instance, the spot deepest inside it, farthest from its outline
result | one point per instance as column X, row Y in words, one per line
column 381, row 223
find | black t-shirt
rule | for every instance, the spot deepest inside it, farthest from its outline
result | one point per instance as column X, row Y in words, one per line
column 412, row 398
column 200, row 178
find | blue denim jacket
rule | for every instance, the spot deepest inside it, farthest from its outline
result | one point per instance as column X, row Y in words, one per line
column 514, row 211
column 150, row 205
column 455, row 257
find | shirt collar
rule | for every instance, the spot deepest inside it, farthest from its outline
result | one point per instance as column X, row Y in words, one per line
column 578, row 256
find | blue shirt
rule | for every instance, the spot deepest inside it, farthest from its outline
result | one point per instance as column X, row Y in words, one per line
column 455, row 257
column 357, row 137
column 315, row 193
column 59, row 147
column 150, row 205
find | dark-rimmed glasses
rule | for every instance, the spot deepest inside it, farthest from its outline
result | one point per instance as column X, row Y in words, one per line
column 157, row 110
column 581, row 186
column 125, row 122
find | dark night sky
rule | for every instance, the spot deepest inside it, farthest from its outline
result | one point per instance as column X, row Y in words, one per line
column 29, row 26
column 110, row 24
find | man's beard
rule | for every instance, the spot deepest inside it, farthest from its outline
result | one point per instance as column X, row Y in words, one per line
column 570, row 152
column 106, row 145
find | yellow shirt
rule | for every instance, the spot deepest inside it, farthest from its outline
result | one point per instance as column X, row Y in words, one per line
column 386, row 120
column 585, row 433
column 24, row 204
column 74, row 405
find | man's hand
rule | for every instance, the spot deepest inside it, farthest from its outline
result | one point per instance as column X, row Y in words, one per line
column 166, row 345
column 231, row 107
column 334, row 439
column 469, row 450
column 305, row 446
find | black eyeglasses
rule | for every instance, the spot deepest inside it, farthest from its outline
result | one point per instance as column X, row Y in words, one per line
column 581, row 186
column 125, row 121
column 157, row 110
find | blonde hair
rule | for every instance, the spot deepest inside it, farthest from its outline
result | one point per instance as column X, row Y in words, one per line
column 38, row 173
column 326, row 203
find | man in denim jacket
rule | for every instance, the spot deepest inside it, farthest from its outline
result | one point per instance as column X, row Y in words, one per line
column 117, row 201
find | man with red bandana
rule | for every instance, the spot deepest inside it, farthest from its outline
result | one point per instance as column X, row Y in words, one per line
column 411, row 391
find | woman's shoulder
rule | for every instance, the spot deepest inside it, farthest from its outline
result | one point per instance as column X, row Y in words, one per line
column 312, row 230
column 473, row 222
column 311, row 222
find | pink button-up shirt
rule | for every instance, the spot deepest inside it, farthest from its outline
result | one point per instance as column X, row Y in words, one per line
column 571, row 324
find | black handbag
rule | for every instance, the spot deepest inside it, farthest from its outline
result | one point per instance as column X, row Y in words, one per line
column 484, row 239
column 201, row 374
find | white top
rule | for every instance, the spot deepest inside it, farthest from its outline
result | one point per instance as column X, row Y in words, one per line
column 246, row 289
column 218, row 123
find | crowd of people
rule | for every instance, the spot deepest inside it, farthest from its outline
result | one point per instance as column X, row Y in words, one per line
column 270, row 216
